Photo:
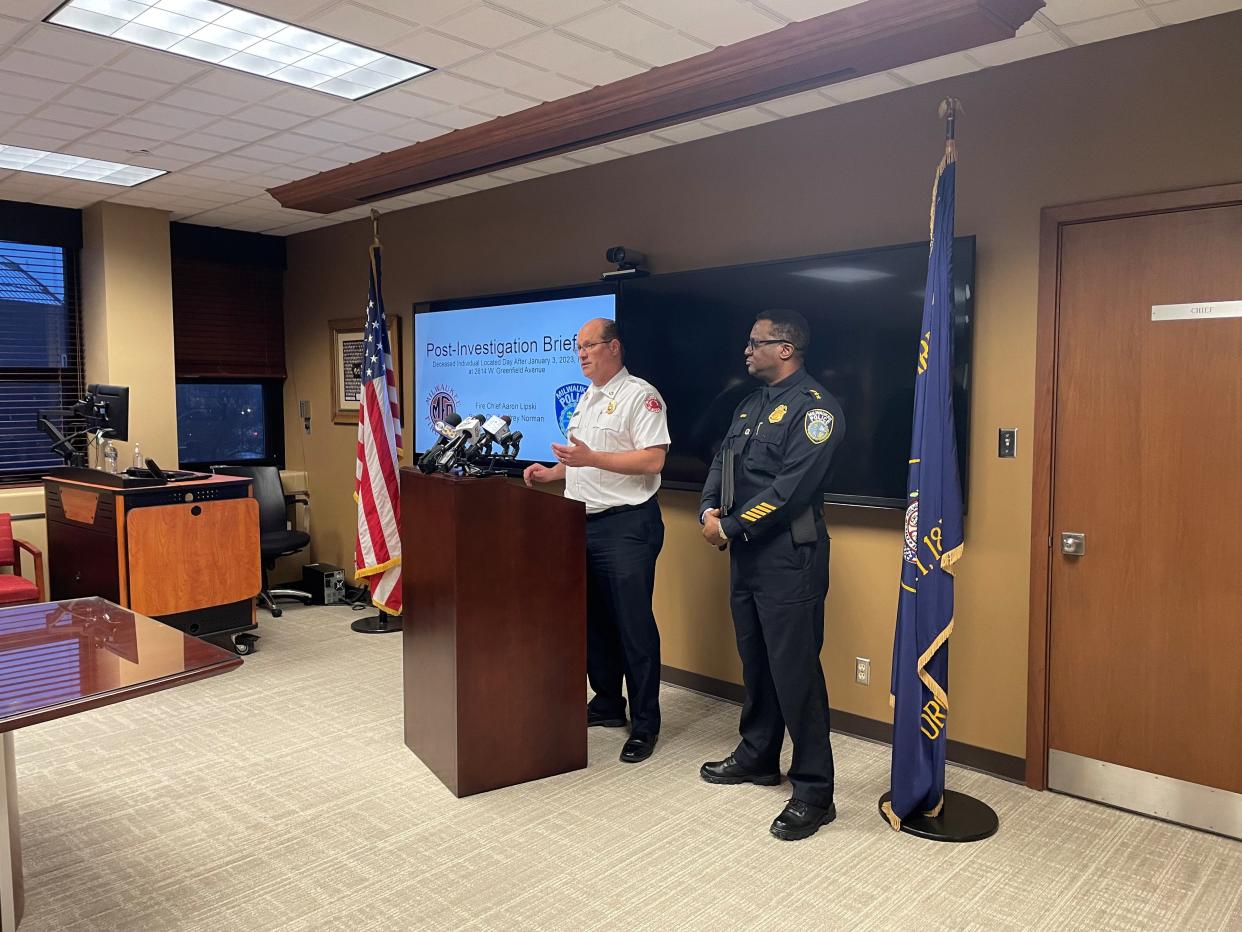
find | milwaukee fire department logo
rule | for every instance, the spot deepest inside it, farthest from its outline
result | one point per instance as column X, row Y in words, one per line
column 440, row 404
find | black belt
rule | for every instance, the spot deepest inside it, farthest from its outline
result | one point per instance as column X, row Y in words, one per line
column 619, row 509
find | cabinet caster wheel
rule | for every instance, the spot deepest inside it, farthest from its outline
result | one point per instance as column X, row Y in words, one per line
column 245, row 644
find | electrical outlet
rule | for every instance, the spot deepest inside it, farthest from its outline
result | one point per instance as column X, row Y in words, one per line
column 862, row 671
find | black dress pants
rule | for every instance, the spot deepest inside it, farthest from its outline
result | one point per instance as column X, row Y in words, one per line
column 777, row 598
column 622, row 638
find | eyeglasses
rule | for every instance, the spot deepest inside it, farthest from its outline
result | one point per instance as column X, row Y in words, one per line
column 587, row 346
column 753, row 345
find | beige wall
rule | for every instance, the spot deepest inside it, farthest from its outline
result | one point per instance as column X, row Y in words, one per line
column 1146, row 113
column 127, row 325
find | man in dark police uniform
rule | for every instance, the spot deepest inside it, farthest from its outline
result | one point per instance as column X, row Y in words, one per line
column 764, row 498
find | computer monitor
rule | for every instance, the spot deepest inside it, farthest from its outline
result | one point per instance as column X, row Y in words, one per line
column 109, row 406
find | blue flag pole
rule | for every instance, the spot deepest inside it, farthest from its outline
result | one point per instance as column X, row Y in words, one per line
column 934, row 543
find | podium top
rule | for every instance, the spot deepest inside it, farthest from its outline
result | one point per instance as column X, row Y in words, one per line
column 98, row 479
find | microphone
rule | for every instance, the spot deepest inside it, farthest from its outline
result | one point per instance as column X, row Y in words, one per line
column 488, row 433
column 466, row 432
column 446, row 432
column 515, row 443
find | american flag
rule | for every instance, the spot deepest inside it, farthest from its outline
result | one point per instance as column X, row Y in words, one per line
column 376, row 487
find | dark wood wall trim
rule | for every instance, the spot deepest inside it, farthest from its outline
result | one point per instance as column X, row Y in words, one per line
column 863, row 39
column 1043, row 490
column 966, row 755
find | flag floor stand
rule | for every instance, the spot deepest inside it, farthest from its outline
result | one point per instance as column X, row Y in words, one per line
column 379, row 623
column 963, row 818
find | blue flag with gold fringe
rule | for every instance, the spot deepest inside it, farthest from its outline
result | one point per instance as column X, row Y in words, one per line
column 933, row 537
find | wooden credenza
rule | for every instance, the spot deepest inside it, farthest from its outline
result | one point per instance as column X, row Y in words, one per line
column 186, row 553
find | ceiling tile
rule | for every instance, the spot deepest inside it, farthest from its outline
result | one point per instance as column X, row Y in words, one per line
column 229, row 83
column 870, row 85
column 11, row 28
column 211, row 141
column 358, row 24
column 807, row 9
column 407, row 104
column 517, row 173
column 317, row 164
column 77, row 47
column 1180, row 11
column 295, row 142
column 91, row 119
column 159, row 66
column 41, row 66
column 334, row 132
column 596, row 154
column 202, row 102
column 682, row 132
column 417, row 131
column 238, row 130
column 266, row 153
column 550, row 12
column 636, row 36
column 18, row 105
column 487, row 26
column 457, row 118
column 269, row 117
column 1110, row 27
column 1007, row 50
column 498, row 69
column 429, row 47
column 1064, row 12
column 737, row 119
column 936, row 69
column 28, row 9
column 118, row 82
column 724, row 22
column 173, row 116
column 122, row 141
column 502, row 104
column 35, row 88
column 96, row 100
column 348, row 154
column 368, row 119
column 483, row 182
column 52, row 129
column 311, row 103
column 548, row 86
column 572, row 58
column 451, row 89
column 183, row 153
column 152, row 132
column 796, row 104
column 426, row 12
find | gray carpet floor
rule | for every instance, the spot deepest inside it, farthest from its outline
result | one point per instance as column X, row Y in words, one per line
column 280, row 796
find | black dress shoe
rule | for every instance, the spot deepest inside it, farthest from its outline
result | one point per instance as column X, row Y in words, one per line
column 730, row 771
column 608, row 721
column 638, row 748
column 799, row 819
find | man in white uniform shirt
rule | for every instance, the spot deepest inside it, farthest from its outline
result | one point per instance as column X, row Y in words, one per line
column 618, row 438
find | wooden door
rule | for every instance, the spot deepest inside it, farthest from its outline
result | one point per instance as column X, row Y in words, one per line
column 1145, row 637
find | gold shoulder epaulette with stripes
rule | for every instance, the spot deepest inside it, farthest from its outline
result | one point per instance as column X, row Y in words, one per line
column 762, row 510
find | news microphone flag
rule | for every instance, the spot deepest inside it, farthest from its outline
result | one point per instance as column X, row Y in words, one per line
column 933, row 536
column 377, row 555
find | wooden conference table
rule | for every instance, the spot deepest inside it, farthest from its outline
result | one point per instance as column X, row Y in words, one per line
column 60, row 658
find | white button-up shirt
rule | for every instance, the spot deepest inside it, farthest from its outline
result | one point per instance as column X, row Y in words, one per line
column 625, row 414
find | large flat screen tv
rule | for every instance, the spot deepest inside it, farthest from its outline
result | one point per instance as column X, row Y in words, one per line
column 685, row 332
column 504, row 354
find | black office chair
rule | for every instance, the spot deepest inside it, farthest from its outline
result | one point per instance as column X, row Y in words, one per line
column 276, row 539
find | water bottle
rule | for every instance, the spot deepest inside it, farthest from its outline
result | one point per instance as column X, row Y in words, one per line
column 109, row 457
column 139, row 463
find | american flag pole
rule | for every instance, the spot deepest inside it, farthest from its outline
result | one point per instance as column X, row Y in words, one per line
column 377, row 492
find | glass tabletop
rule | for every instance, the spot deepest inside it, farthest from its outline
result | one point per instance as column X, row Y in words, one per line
column 58, row 658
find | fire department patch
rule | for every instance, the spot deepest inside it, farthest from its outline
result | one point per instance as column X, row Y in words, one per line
column 653, row 403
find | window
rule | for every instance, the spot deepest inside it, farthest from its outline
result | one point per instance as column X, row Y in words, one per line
column 230, row 423
column 40, row 354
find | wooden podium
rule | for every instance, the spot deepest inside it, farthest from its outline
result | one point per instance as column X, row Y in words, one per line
column 494, row 649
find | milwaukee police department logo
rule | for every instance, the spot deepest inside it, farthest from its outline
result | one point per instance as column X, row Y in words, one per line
column 440, row 404
column 818, row 425
column 566, row 400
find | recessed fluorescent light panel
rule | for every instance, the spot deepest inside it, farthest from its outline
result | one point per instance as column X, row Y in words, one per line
column 224, row 35
column 18, row 159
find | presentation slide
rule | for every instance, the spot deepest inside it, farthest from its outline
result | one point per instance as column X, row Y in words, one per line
column 514, row 359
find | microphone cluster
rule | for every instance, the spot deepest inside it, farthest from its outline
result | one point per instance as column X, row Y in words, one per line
column 477, row 446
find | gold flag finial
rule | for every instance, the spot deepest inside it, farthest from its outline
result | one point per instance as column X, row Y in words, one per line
column 375, row 215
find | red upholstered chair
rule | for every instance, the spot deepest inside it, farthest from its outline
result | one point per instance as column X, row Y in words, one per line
column 16, row 589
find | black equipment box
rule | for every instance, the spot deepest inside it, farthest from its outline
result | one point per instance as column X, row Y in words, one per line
column 324, row 582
